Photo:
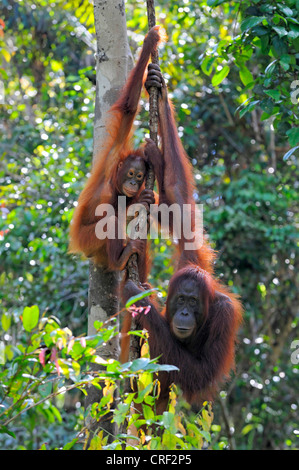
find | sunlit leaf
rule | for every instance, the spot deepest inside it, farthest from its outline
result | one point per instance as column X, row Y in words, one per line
column 140, row 296
column 220, row 76
column 30, row 317
column 246, row 76
column 5, row 321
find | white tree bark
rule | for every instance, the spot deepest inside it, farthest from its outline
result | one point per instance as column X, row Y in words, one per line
column 114, row 61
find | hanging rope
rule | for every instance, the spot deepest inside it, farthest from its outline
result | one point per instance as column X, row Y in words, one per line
column 132, row 267
column 153, row 92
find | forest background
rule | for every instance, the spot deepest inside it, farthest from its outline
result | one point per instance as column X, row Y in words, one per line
column 232, row 70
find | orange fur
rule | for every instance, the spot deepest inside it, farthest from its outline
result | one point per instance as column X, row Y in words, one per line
column 101, row 185
column 207, row 358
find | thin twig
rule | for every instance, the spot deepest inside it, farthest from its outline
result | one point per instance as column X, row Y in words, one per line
column 228, row 424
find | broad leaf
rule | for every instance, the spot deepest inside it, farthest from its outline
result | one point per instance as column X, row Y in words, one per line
column 30, row 317
column 220, row 76
column 251, row 22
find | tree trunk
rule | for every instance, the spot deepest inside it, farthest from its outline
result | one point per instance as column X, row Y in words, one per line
column 114, row 61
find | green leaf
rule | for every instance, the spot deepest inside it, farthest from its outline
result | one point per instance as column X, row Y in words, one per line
column 246, row 76
column 261, row 31
column 293, row 135
column 143, row 393
column 5, row 430
column 247, row 429
column 220, row 76
column 135, row 298
column 163, row 367
column 270, row 68
column 267, row 105
column 215, row 3
column 275, row 94
column 3, row 73
column 69, row 445
column 207, row 65
column 206, row 435
column 281, row 31
column 30, row 317
column 45, row 389
column 251, row 22
column 247, row 108
column 56, row 413
column 294, row 33
column 139, row 364
column 279, row 46
column 285, row 10
column 6, row 55
column 264, row 42
column 168, row 419
column 148, row 412
column 285, row 61
column 290, row 152
column 8, row 352
column 6, row 321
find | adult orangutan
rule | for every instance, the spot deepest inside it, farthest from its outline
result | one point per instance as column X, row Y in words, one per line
column 196, row 332
column 197, row 329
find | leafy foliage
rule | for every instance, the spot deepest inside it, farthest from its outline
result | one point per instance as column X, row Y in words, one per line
column 50, row 362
